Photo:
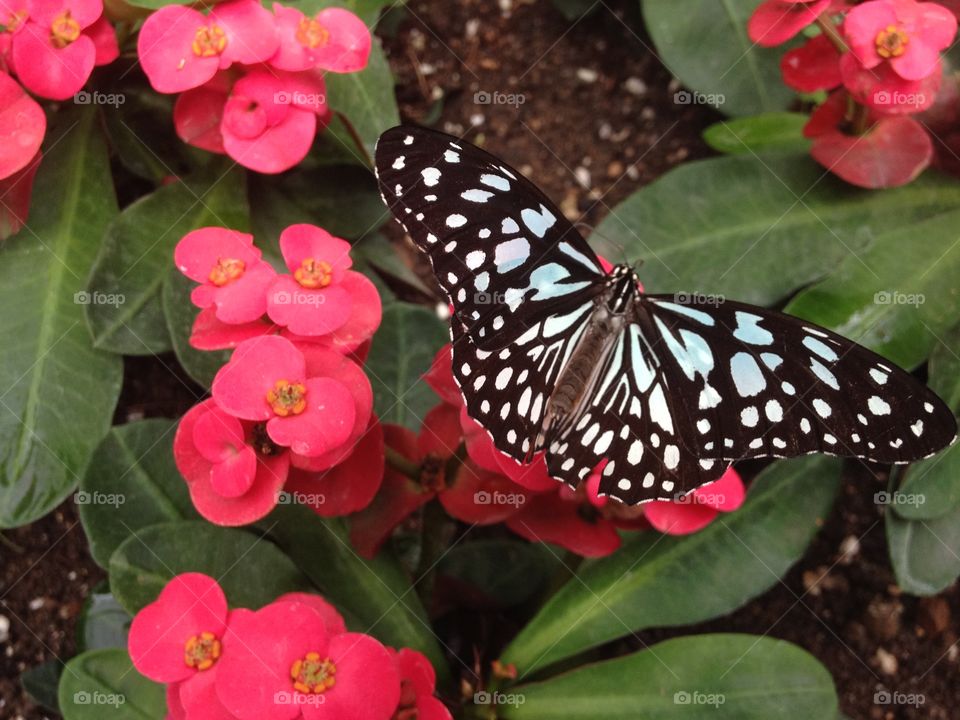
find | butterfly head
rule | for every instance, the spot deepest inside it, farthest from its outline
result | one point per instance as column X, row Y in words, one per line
column 623, row 285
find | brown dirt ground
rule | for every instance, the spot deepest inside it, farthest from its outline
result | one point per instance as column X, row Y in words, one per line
column 597, row 122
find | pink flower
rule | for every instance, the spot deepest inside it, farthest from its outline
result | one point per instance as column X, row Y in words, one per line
column 886, row 93
column 903, row 33
column 418, row 681
column 697, row 509
column 334, row 39
column 281, row 662
column 813, row 66
column 234, row 280
column 331, row 616
column 312, row 300
column 209, row 333
column 179, row 635
column 180, row 48
column 232, row 469
column 56, row 44
column 776, row 21
column 22, row 127
column 266, row 381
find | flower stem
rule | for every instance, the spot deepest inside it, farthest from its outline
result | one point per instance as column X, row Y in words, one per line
column 401, row 464
column 432, row 544
column 829, row 28
column 860, row 121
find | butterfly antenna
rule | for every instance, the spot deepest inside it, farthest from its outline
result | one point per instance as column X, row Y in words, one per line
column 607, row 241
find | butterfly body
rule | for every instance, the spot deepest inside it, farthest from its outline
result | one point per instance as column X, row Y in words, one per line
column 658, row 393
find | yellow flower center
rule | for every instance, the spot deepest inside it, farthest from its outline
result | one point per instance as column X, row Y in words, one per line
column 14, row 21
column 64, row 30
column 209, row 41
column 313, row 273
column 201, row 651
column 311, row 34
column 287, row 398
column 312, row 675
column 226, row 270
column 892, row 42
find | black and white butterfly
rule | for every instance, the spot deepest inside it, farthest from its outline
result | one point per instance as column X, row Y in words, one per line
column 553, row 354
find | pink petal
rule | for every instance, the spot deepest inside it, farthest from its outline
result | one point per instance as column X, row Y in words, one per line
column 234, row 476
column 198, row 698
column 441, row 433
column 197, row 115
column 241, row 386
column 22, row 127
column 104, row 41
column 198, row 251
column 52, row 73
column 368, row 684
column 217, row 436
column 861, row 26
column 365, row 315
column 349, row 486
column 245, row 299
column 209, row 333
column 165, row 48
column 325, row 423
column 306, row 90
column 190, row 604
column 249, row 27
column 303, row 241
column 440, row 377
column 918, row 61
column 485, row 498
column 331, row 617
column 774, row 21
column 936, row 25
column 190, row 462
column 253, row 676
column 279, row 148
column 548, row 518
column 348, row 47
column 678, row 519
column 415, row 668
column 308, row 311
column 291, row 55
column 254, row 504
column 725, row 494
column 175, row 709
column 16, row 190
column 813, row 66
column 322, row 362
column 44, row 12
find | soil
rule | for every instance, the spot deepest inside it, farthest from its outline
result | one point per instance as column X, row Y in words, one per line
column 586, row 109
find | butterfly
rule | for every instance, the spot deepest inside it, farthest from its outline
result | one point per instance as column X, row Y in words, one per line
column 555, row 355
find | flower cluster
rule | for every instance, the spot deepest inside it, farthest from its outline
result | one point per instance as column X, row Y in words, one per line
column 290, row 659
column 880, row 61
column 51, row 47
column 486, row 487
column 292, row 409
column 250, row 80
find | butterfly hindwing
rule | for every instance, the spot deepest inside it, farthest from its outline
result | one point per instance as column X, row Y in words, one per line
column 504, row 254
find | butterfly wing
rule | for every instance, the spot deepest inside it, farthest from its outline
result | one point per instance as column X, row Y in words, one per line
column 503, row 253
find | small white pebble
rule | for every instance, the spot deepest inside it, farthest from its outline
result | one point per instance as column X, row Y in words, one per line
column 587, row 75
column 635, row 86
column 4, row 628
column 36, row 603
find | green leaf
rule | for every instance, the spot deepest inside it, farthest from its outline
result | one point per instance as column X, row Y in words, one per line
column 925, row 553
column 754, row 229
column 103, row 622
column 366, row 99
column 895, row 298
column 367, row 10
column 780, row 131
column 137, row 254
column 131, row 482
column 703, row 576
column 720, row 677
column 933, row 485
column 58, row 391
column 707, row 48
column 403, row 348
column 342, row 199
column 376, row 592
column 378, row 252
column 41, row 683
column 180, row 313
column 251, row 570
column 104, row 683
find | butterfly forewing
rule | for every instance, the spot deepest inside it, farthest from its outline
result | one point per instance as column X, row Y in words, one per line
column 504, row 254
